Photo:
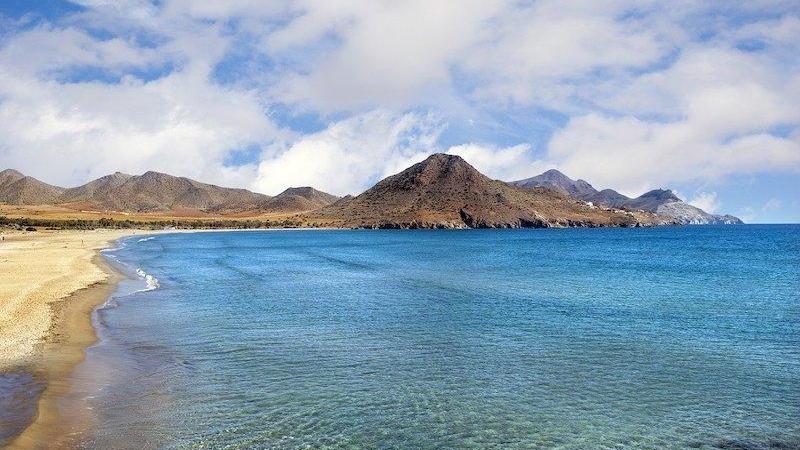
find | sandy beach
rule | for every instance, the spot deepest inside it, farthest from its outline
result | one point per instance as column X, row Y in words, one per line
column 51, row 281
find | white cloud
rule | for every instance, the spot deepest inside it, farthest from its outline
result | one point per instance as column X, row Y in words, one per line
column 502, row 163
column 350, row 155
column 636, row 155
column 391, row 53
column 67, row 132
column 707, row 201
column 549, row 51
column 772, row 204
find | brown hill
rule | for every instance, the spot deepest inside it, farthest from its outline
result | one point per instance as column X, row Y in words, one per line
column 299, row 199
column 159, row 192
column 18, row 189
column 154, row 192
column 94, row 191
column 444, row 191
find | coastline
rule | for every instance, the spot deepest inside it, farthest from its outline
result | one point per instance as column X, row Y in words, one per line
column 48, row 324
column 57, row 280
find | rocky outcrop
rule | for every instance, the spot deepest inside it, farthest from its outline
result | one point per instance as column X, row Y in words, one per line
column 686, row 214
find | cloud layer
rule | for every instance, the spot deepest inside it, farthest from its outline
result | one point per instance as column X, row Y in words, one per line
column 631, row 95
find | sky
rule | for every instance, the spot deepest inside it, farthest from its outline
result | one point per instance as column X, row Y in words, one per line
column 700, row 97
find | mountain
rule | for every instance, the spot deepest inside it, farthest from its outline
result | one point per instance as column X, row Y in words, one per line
column 343, row 200
column 299, row 199
column 18, row 189
column 659, row 201
column 444, row 191
column 687, row 214
column 651, row 200
column 155, row 192
column 607, row 197
column 100, row 188
column 558, row 181
column 159, row 192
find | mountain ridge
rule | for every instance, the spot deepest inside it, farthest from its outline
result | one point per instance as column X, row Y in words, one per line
column 157, row 193
column 659, row 201
column 20, row 189
column 444, row 191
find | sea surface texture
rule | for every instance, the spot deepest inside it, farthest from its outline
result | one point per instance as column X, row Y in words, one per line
column 665, row 338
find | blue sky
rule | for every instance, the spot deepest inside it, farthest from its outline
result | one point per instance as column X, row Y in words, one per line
column 632, row 95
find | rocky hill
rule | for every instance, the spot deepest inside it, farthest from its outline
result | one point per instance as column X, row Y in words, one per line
column 660, row 201
column 158, row 192
column 559, row 182
column 95, row 191
column 299, row 199
column 687, row 214
column 18, row 189
column 444, row 191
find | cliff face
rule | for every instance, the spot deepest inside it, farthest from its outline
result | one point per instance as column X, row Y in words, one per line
column 444, row 191
column 663, row 202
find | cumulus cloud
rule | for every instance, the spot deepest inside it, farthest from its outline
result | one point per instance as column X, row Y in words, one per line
column 503, row 163
column 636, row 155
column 550, row 51
column 81, row 100
column 350, row 155
column 707, row 201
column 391, row 53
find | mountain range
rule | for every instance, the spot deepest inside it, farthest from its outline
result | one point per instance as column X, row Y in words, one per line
column 443, row 191
column 155, row 192
column 663, row 202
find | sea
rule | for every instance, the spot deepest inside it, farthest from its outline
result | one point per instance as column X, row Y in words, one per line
column 648, row 338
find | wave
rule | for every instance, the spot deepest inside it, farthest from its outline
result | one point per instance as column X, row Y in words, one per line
column 151, row 281
column 145, row 239
column 110, row 303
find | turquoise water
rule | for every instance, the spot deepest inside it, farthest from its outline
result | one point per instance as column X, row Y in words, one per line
column 666, row 338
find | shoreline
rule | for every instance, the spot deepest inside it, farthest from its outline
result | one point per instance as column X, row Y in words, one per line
column 64, row 349
column 69, row 285
column 51, row 355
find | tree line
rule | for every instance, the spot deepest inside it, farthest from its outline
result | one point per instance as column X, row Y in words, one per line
column 193, row 224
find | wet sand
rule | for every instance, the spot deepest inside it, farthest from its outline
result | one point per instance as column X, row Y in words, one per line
column 51, row 282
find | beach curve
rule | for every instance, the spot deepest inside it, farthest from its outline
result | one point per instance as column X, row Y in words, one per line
column 51, row 283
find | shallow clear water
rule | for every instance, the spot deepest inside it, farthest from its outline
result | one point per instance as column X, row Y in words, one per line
column 665, row 338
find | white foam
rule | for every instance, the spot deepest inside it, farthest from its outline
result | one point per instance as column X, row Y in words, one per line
column 151, row 281
column 110, row 303
column 146, row 239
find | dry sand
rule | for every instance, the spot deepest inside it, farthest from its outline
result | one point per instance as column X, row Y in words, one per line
column 39, row 270
column 50, row 281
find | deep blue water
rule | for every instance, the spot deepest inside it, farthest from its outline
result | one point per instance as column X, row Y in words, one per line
column 667, row 338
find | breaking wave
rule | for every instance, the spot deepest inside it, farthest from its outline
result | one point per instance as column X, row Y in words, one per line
column 151, row 281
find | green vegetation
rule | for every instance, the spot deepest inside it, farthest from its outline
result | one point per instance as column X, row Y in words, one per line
column 192, row 224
